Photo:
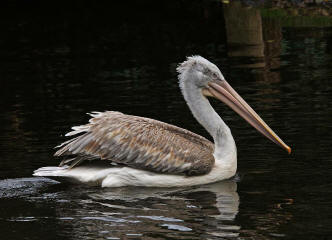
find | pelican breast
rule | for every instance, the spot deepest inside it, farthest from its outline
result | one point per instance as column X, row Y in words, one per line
column 138, row 142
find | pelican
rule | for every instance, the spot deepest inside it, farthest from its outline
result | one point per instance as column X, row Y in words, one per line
column 138, row 151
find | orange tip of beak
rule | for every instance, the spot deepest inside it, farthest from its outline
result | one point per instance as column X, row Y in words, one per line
column 289, row 150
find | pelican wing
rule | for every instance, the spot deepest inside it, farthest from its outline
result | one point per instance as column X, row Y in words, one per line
column 139, row 143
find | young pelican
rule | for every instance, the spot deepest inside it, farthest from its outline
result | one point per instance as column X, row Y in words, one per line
column 145, row 152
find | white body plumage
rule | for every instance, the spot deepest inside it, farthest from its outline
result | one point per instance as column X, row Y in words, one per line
column 126, row 176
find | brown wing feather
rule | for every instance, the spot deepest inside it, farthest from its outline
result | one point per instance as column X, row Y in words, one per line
column 140, row 143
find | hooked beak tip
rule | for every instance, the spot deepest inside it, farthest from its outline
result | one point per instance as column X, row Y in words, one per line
column 289, row 150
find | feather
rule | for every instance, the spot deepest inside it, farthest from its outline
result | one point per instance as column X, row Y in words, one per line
column 138, row 142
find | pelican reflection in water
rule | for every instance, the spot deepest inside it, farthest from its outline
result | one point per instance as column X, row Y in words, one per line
column 145, row 152
column 200, row 212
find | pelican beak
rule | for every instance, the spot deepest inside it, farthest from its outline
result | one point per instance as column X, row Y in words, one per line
column 225, row 93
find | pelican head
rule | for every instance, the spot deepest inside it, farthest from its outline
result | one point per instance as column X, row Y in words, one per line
column 199, row 74
column 201, row 71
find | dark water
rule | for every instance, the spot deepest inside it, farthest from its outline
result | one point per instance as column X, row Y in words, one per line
column 58, row 62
